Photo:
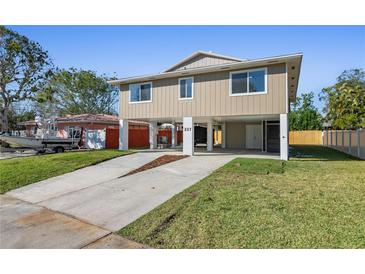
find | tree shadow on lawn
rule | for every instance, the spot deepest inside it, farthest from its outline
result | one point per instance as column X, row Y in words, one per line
column 319, row 153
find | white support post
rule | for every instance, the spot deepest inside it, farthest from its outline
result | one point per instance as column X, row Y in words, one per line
column 173, row 136
column 284, row 143
column 209, row 136
column 262, row 135
column 224, row 135
column 153, row 135
column 123, row 134
column 188, row 139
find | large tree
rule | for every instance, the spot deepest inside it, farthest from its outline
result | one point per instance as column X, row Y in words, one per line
column 24, row 68
column 345, row 100
column 76, row 91
column 20, row 115
column 304, row 115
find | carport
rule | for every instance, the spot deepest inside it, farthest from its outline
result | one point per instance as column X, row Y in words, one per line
column 248, row 134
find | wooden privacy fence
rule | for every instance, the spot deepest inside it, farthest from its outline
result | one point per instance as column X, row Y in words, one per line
column 167, row 133
column 112, row 138
column 348, row 141
column 305, row 137
column 138, row 137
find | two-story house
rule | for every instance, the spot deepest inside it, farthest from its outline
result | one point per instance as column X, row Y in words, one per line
column 247, row 99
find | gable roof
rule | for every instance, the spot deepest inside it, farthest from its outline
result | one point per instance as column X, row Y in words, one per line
column 95, row 118
column 202, row 53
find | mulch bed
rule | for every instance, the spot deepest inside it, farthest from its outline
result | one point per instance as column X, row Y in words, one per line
column 165, row 159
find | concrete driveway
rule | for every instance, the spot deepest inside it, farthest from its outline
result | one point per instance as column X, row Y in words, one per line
column 96, row 198
column 26, row 225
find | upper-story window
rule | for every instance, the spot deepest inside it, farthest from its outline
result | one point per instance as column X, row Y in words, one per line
column 186, row 88
column 140, row 92
column 248, row 82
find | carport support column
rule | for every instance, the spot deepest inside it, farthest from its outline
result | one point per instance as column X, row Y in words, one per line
column 153, row 135
column 224, row 135
column 209, row 136
column 188, row 137
column 123, row 134
column 284, row 140
column 173, row 136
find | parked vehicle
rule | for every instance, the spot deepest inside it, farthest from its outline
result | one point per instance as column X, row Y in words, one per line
column 41, row 144
column 44, row 139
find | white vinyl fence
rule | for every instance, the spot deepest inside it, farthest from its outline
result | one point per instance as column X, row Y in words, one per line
column 95, row 138
column 349, row 141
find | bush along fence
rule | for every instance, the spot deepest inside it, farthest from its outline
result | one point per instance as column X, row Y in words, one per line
column 349, row 141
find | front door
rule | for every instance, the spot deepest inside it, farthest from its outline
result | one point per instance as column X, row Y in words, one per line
column 253, row 137
column 273, row 138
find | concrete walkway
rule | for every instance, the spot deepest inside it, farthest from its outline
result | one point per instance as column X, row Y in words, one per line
column 96, row 198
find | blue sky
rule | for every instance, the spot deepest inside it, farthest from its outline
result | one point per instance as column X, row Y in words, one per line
column 137, row 50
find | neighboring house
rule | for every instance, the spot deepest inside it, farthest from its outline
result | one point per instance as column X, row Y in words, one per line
column 138, row 130
column 248, row 100
column 71, row 125
column 27, row 128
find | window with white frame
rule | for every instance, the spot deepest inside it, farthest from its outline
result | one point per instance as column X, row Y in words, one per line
column 186, row 88
column 249, row 81
column 140, row 92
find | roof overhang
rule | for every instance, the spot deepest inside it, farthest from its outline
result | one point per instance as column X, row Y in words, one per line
column 106, row 122
column 293, row 62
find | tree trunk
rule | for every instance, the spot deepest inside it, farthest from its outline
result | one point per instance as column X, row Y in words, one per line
column 4, row 119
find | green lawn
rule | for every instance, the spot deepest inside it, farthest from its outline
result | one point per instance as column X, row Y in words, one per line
column 315, row 201
column 19, row 172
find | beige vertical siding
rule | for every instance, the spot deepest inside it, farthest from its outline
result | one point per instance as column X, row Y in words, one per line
column 202, row 61
column 235, row 135
column 211, row 98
